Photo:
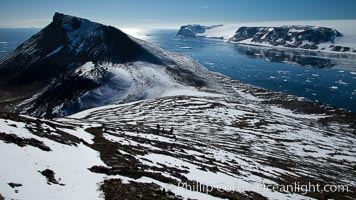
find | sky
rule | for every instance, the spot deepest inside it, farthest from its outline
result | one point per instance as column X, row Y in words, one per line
column 172, row 13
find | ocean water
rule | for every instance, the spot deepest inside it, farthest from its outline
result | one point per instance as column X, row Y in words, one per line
column 328, row 78
column 10, row 38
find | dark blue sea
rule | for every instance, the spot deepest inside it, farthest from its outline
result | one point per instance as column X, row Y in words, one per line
column 328, row 78
column 324, row 77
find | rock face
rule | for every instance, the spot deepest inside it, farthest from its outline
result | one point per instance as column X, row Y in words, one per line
column 194, row 30
column 304, row 37
column 74, row 64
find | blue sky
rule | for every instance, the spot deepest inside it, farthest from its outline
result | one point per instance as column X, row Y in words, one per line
column 172, row 13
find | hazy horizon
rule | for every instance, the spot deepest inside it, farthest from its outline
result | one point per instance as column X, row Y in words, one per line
column 172, row 14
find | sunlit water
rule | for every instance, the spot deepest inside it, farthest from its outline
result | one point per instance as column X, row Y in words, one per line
column 328, row 78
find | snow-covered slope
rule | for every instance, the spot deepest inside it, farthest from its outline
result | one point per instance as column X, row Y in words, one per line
column 75, row 64
column 235, row 144
column 48, row 161
column 345, row 27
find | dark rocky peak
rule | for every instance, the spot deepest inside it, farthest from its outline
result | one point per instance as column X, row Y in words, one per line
column 70, row 22
column 67, row 43
column 98, row 42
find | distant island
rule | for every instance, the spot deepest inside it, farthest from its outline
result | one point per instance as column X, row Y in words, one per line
column 304, row 37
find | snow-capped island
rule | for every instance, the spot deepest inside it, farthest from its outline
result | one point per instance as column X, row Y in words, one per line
column 196, row 30
column 317, row 36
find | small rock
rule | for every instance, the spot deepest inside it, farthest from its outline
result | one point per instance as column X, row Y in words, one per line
column 13, row 125
column 170, row 195
column 170, row 192
column 203, row 168
column 100, row 169
column 14, row 185
column 43, row 147
column 49, row 174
